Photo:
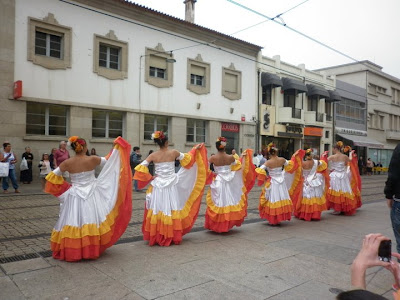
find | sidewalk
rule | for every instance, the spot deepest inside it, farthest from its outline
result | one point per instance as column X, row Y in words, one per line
column 297, row 260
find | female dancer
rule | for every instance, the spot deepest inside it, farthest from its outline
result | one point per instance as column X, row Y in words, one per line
column 312, row 197
column 340, row 196
column 275, row 203
column 94, row 213
column 227, row 196
column 354, row 175
column 173, row 199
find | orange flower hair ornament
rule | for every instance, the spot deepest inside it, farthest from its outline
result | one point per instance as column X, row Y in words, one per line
column 270, row 146
column 157, row 135
column 347, row 149
column 309, row 151
column 76, row 143
column 223, row 142
column 339, row 144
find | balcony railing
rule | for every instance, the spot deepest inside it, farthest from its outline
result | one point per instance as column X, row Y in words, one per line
column 328, row 118
column 319, row 117
column 296, row 113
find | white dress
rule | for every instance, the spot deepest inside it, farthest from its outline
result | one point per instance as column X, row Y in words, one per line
column 275, row 203
column 173, row 199
column 94, row 212
column 312, row 200
column 227, row 196
column 340, row 194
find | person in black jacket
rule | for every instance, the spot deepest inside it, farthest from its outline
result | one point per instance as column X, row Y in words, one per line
column 392, row 193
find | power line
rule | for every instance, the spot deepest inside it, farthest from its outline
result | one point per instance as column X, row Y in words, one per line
column 277, row 16
column 293, row 29
column 211, row 45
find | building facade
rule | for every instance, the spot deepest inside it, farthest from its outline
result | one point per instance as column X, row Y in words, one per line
column 296, row 109
column 102, row 69
column 383, row 106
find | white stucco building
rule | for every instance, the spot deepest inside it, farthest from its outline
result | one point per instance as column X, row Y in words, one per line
column 383, row 106
column 100, row 69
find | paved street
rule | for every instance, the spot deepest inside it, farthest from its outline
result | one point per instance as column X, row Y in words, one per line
column 26, row 220
column 297, row 260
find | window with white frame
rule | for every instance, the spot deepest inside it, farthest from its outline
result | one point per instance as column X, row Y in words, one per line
column 49, row 43
column 198, row 76
column 46, row 119
column 196, row 131
column 109, row 57
column 153, row 123
column 159, row 67
column 107, row 124
column 158, row 72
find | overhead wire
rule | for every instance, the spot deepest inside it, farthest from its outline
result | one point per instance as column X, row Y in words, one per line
column 209, row 44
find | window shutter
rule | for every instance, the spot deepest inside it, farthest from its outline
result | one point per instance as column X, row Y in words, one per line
column 231, row 83
column 197, row 70
column 158, row 62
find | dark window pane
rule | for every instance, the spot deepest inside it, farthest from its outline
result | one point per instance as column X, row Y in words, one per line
column 55, row 53
column 152, row 72
column 103, row 63
column 55, row 130
column 114, row 133
column 99, row 133
column 35, row 129
column 40, row 51
column 103, row 49
column 189, row 138
column 114, row 66
column 190, row 130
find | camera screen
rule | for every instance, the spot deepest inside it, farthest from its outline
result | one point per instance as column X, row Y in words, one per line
column 385, row 250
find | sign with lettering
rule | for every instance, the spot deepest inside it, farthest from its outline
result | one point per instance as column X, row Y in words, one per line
column 232, row 127
column 313, row 131
column 294, row 129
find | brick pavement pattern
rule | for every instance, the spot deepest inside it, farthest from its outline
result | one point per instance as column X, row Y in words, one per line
column 26, row 219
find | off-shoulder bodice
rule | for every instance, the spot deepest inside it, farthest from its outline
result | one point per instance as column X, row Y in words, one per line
column 83, row 178
column 338, row 166
column 224, row 172
column 165, row 169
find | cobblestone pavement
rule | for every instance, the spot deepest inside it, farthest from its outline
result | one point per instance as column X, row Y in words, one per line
column 26, row 219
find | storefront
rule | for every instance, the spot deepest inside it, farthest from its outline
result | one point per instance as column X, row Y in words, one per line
column 312, row 139
column 231, row 132
column 287, row 138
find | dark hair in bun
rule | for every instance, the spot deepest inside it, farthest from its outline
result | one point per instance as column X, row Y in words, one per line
column 159, row 138
column 220, row 144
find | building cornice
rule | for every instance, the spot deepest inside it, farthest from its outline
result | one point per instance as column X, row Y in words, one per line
column 167, row 23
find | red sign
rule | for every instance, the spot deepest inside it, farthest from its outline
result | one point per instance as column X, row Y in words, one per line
column 243, row 118
column 17, row 89
column 313, row 131
column 232, row 127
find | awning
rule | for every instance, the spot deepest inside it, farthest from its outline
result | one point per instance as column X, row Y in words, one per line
column 315, row 90
column 270, row 79
column 362, row 141
column 334, row 96
column 293, row 84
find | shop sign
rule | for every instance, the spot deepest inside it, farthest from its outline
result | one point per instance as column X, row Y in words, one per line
column 267, row 119
column 294, row 129
column 313, row 131
column 232, row 127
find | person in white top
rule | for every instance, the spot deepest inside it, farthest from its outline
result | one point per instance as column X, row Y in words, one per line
column 44, row 166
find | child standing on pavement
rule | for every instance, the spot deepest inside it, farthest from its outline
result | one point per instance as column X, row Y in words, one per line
column 45, row 169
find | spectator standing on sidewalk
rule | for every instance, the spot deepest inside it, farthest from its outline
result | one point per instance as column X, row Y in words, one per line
column 8, row 156
column 44, row 166
column 26, row 175
column 136, row 159
column 62, row 153
column 361, row 165
column 392, row 193
column 370, row 165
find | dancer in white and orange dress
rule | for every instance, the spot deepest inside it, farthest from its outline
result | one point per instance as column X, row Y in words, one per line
column 94, row 212
column 311, row 201
column 172, row 199
column 340, row 195
column 275, row 202
column 232, row 181
column 354, row 174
